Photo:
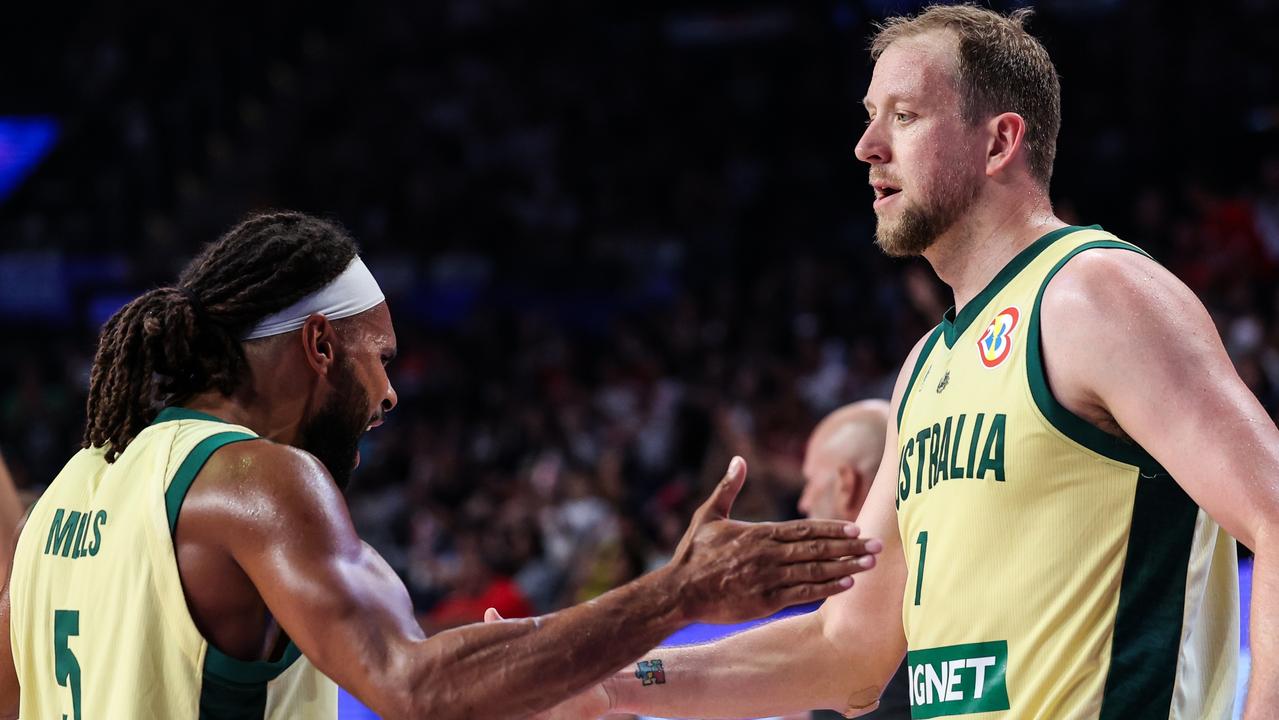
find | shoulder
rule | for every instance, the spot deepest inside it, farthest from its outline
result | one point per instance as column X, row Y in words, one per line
column 1112, row 322
column 1118, row 294
column 254, row 460
column 251, row 489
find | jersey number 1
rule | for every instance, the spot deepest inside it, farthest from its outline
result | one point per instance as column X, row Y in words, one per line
column 922, row 542
column 65, row 667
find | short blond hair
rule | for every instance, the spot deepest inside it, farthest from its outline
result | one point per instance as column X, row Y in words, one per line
column 1001, row 68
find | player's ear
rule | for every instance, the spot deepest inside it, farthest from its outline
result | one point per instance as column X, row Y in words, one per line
column 849, row 481
column 1005, row 136
column 319, row 343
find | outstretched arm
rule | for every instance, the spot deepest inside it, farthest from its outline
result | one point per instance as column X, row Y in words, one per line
column 839, row 657
column 351, row 616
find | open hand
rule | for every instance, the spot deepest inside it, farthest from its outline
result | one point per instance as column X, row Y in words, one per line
column 731, row 571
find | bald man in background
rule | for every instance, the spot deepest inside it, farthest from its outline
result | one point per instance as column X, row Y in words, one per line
column 840, row 462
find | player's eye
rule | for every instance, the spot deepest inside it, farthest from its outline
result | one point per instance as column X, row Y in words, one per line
column 902, row 117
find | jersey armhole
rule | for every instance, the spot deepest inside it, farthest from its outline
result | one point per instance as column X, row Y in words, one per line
column 236, row 689
column 1062, row 419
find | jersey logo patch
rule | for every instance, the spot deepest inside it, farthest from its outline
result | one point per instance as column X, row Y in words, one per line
column 958, row 679
column 996, row 343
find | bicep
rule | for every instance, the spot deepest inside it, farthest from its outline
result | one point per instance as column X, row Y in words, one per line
column 1160, row 370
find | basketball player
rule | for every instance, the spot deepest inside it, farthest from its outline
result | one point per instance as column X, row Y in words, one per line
column 1068, row 445
column 200, row 561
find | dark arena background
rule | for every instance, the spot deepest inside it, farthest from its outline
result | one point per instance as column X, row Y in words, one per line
column 621, row 242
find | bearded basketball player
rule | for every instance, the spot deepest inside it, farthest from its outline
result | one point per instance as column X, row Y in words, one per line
column 197, row 559
column 1071, row 455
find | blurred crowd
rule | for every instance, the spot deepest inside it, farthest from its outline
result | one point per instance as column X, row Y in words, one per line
column 620, row 243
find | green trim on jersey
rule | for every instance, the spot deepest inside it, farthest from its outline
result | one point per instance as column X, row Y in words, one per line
column 955, row 325
column 952, row 326
column 225, row 667
column 919, row 365
column 190, row 467
column 1148, row 621
column 225, row 700
column 1071, row 425
column 180, row 413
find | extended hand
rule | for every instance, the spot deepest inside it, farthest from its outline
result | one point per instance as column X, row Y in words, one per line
column 731, row 571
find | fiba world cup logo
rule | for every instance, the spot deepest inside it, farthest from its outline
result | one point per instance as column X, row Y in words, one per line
column 994, row 345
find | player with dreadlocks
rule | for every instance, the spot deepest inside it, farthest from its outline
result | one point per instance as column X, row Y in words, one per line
column 197, row 559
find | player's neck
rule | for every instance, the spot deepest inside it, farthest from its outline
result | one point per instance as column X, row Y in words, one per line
column 271, row 402
column 268, row 419
column 969, row 255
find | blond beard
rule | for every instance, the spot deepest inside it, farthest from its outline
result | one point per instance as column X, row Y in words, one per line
column 920, row 224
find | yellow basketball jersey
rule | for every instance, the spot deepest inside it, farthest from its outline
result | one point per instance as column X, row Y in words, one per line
column 1055, row 571
column 100, row 627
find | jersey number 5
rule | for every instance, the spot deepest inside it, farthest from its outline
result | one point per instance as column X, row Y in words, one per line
column 65, row 667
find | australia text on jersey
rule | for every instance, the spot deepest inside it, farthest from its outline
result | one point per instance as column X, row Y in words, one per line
column 959, row 447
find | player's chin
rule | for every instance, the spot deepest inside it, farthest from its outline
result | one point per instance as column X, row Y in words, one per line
column 891, row 247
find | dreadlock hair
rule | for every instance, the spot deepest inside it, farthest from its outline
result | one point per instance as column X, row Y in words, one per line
column 174, row 342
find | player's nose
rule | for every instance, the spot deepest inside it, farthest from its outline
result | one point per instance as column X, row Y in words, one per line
column 873, row 146
column 391, row 399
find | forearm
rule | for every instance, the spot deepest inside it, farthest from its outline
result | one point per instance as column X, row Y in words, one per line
column 782, row 667
column 1263, row 687
column 514, row 668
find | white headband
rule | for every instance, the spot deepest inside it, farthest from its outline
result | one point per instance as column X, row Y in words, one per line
column 350, row 293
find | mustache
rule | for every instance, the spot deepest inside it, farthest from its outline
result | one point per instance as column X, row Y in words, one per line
column 883, row 177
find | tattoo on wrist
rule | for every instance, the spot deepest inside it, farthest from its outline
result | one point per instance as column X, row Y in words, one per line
column 650, row 672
